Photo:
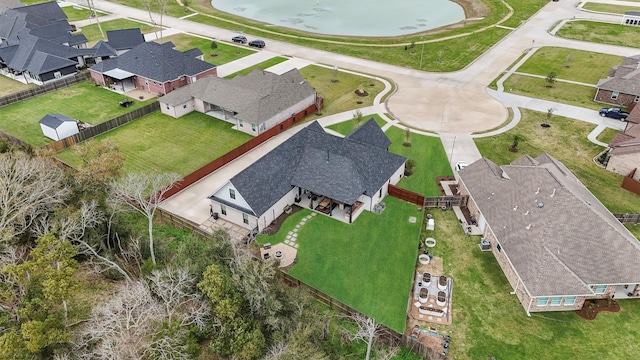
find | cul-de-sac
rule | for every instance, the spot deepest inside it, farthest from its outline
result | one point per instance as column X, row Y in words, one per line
column 319, row 179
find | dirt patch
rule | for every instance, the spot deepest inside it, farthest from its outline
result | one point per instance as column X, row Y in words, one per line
column 361, row 93
column 591, row 308
column 275, row 226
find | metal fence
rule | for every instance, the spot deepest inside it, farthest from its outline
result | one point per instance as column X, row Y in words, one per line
column 628, row 218
column 43, row 89
column 93, row 131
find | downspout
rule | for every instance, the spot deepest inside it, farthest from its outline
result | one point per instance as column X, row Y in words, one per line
column 529, row 307
column 516, row 288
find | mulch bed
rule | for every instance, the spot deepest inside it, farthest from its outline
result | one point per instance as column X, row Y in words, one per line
column 591, row 308
column 275, row 226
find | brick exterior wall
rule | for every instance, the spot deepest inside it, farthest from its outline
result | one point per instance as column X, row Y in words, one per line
column 520, row 291
column 623, row 100
column 97, row 78
column 623, row 164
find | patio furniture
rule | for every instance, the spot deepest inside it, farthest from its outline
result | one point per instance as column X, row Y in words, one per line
column 324, row 203
column 267, row 246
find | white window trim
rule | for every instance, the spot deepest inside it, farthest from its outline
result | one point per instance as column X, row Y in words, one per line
column 540, row 298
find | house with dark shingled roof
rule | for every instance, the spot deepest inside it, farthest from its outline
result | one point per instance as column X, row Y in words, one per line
column 254, row 103
column 556, row 243
column 622, row 85
column 338, row 176
column 623, row 154
column 152, row 67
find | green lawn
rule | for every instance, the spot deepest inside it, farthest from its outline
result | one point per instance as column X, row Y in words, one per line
column 610, row 8
column 489, row 322
column 561, row 92
column 566, row 140
column 9, row 86
column 75, row 13
column 262, row 66
column 92, row 32
column 224, row 53
column 160, row 143
column 607, row 135
column 348, row 126
column 367, row 265
column 172, row 7
column 430, row 157
column 340, row 96
column 569, row 64
column 603, row 33
column 83, row 102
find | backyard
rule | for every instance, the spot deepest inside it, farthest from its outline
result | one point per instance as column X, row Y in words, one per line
column 9, row 86
column 339, row 96
column 160, row 143
column 367, row 265
column 224, row 53
column 83, row 102
column 566, row 140
column 76, row 13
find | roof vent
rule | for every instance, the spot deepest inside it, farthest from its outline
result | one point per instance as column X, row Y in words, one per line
column 527, row 213
column 538, row 191
column 528, row 226
column 515, row 208
column 540, row 205
column 553, row 193
column 589, row 203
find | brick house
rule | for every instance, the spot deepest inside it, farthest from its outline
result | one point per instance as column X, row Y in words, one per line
column 253, row 103
column 623, row 155
column 555, row 242
column 622, row 86
column 152, row 67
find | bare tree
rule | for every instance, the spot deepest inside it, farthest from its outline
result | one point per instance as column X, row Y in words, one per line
column 387, row 353
column 143, row 193
column 30, row 187
column 367, row 331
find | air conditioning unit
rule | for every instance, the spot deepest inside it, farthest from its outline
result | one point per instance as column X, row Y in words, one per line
column 485, row 245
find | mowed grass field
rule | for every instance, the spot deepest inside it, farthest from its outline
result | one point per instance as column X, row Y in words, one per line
column 10, row 86
column 159, row 143
column 566, row 140
column 602, row 33
column 367, row 265
column 83, row 102
column 224, row 53
column 562, row 92
column 339, row 96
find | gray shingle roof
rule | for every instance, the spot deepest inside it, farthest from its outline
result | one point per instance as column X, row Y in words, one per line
column 42, row 63
column 9, row 4
column 103, row 49
column 155, row 61
column 55, row 120
column 254, row 98
column 572, row 241
column 624, row 78
column 29, row 45
column 370, row 133
column 125, row 38
column 325, row 164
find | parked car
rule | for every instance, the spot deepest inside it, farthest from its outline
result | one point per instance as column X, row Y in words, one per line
column 614, row 113
column 257, row 43
column 239, row 39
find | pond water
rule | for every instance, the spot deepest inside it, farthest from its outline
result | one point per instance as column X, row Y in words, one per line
column 351, row 18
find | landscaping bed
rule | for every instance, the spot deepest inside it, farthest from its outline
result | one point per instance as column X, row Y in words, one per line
column 591, row 308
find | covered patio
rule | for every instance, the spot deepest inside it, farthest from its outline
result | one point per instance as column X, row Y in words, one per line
column 337, row 209
column 120, row 81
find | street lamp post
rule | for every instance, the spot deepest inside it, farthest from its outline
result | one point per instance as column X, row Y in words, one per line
column 422, row 52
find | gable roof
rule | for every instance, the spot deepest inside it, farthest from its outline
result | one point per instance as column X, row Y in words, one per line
column 42, row 63
column 103, row 49
column 337, row 167
column 31, row 17
column 157, row 62
column 22, row 55
column 255, row 98
column 627, row 142
column 624, row 78
column 123, row 39
column 562, row 246
column 370, row 133
column 55, row 120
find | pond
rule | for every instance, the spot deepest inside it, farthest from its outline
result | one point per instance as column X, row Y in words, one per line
column 350, row 18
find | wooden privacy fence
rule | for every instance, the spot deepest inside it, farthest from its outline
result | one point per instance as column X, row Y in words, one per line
column 14, row 140
column 445, row 201
column 93, row 131
column 386, row 336
column 628, row 218
column 237, row 152
column 43, row 89
column 630, row 184
column 406, row 195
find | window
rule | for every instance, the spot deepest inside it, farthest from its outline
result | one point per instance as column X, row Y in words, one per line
column 569, row 300
column 542, row 301
column 245, row 218
column 253, row 127
column 600, row 289
column 240, row 123
column 232, row 193
column 614, row 95
column 556, row 301
column 223, row 210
